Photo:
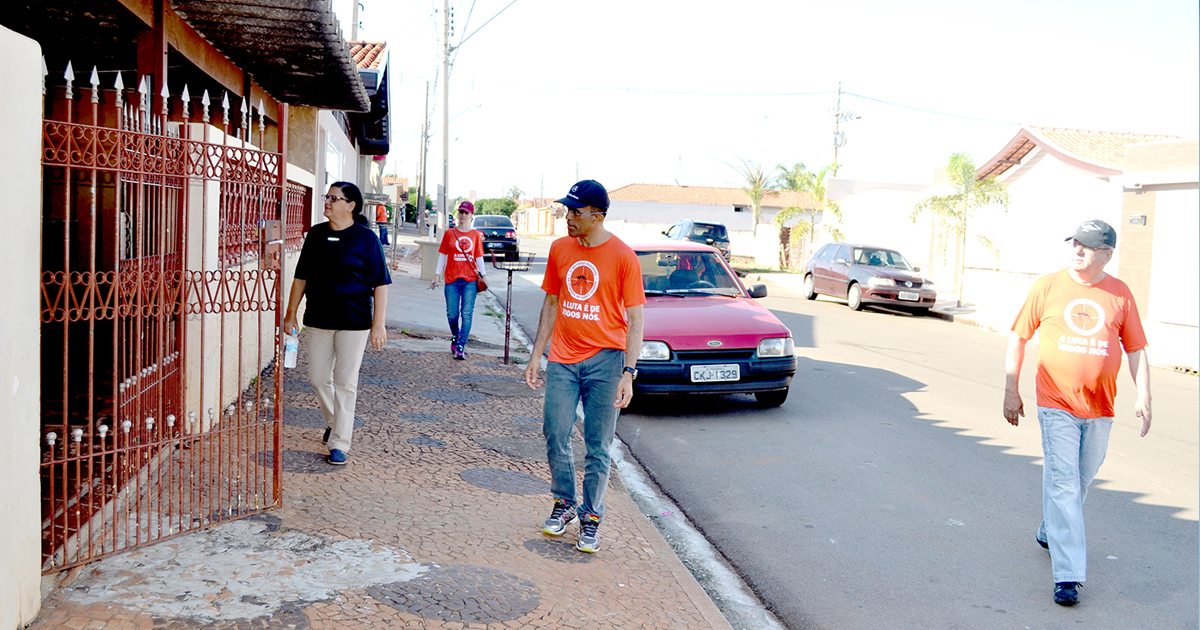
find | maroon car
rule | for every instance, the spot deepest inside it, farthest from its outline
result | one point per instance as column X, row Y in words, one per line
column 862, row 274
column 705, row 333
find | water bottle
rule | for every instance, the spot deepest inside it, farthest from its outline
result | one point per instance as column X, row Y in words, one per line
column 291, row 348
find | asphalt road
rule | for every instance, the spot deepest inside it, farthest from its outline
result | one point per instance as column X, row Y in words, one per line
column 888, row 492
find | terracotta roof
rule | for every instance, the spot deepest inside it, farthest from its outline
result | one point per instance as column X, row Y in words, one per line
column 1102, row 152
column 402, row 182
column 368, row 55
column 706, row 195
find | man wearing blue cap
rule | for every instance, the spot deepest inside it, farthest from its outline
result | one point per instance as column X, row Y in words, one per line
column 1086, row 318
column 592, row 320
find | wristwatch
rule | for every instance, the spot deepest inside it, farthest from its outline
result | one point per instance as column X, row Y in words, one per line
column 632, row 371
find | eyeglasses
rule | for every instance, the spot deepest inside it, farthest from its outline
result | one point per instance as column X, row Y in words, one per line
column 333, row 198
column 574, row 212
column 1094, row 249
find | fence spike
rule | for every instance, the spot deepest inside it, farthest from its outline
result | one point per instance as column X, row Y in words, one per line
column 262, row 118
column 119, row 84
column 186, row 99
column 95, row 81
column 166, row 99
column 204, row 102
column 69, row 75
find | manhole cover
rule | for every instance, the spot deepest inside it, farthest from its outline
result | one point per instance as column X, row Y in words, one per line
column 558, row 550
column 453, row 396
column 299, row 462
column 485, row 378
column 420, row 417
column 461, row 594
column 506, row 481
column 424, row 441
column 509, row 389
column 312, row 418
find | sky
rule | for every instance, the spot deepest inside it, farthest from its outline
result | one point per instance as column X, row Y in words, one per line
column 664, row 92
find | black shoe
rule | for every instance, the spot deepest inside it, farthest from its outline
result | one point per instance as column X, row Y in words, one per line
column 325, row 438
column 1066, row 593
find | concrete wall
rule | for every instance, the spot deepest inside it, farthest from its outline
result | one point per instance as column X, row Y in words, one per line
column 20, row 242
column 302, row 138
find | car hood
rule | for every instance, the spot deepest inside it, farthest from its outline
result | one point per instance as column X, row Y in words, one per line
column 690, row 323
column 899, row 275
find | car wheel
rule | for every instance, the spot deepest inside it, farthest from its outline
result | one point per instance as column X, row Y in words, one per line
column 771, row 399
column 920, row 311
column 810, row 292
column 854, row 295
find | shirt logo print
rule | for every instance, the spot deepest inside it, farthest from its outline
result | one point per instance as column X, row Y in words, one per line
column 464, row 244
column 1084, row 316
column 582, row 280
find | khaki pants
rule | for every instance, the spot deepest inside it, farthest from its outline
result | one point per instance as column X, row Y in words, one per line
column 334, row 357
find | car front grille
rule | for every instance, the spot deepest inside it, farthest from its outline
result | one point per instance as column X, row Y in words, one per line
column 714, row 355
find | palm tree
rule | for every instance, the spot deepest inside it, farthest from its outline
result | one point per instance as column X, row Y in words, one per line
column 802, row 180
column 969, row 196
column 758, row 183
column 515, row 193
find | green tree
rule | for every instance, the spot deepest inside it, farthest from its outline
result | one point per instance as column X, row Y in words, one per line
column 504, row 207
column 515, row 193
column 757, row 183
column 803, row 180
column 969, row 195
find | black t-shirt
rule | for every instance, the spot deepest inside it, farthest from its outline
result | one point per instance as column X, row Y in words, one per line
column 341, row 271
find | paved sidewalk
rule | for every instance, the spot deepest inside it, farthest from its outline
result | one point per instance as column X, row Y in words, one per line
column 434, row 523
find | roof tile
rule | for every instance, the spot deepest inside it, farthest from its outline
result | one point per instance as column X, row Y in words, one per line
column 1106, row 148
column 367, row 55
column 706, row 195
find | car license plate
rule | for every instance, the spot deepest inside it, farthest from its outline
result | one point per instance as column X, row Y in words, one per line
column 716, row 373
column 493, row 245
column 910, row 296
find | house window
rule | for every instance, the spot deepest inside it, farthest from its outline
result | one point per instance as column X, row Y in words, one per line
column 739, row 208
column 333, row 163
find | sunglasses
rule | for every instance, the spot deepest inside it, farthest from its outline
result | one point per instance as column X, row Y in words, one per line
column 333, row 198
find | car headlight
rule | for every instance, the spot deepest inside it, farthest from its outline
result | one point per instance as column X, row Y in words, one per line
column 876, row 281
column 654, row 351
column 776, row 347
column 928, row 284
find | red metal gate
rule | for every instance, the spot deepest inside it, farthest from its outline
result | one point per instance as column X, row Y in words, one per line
column 160, row 313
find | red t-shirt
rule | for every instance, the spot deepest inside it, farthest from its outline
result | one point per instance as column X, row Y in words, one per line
column 594, row 286
column 461, row 250
column 1083, row 329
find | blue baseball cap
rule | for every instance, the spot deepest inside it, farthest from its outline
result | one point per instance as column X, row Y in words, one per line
column 588, row 192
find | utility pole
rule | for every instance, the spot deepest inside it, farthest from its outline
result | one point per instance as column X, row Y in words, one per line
column 446, row 50
column 839, row 137
column 354, row 22
column 420, row 202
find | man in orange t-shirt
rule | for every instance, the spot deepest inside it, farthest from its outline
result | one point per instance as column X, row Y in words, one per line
column 1086, row 318
column 592, row 319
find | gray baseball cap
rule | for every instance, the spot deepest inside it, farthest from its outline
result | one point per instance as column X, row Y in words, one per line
column 1095, row 234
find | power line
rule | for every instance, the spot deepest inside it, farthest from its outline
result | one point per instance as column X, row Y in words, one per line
column 931, row 111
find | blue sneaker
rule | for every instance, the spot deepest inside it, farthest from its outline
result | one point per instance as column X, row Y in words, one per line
column 1066, row 593
column 338, row 457
column 589, row 541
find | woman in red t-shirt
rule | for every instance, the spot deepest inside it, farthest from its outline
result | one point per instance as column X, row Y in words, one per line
column 460, row 257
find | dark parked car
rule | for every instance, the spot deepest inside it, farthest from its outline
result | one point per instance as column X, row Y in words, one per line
column 499, row 236
column 704, row 331
column 713, row 234
column 861, row 274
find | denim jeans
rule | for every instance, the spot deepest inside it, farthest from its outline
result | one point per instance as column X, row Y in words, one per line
column 593, row 381
column 1074, row 448
column 460, row 307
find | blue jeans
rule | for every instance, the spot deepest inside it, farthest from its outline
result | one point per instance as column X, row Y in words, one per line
column 460, row 308
column 593, row 381
column 1074, row 448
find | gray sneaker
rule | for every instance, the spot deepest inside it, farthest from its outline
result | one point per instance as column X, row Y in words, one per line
column 589, row 541
column 560, row 517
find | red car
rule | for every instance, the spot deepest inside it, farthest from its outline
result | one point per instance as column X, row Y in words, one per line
column 704, row 332
column 862, row 274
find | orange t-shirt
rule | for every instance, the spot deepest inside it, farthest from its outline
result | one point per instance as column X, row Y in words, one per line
column 1083, row 329
column 594, row 285
column 381, row 214
column 461, row 250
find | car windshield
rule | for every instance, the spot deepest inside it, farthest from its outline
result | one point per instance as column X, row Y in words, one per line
column 686, row 273
column 708, row 230
column 880, row 258
column 492, row 221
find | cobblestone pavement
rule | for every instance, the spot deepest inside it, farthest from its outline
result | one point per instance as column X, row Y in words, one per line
column 434, row 523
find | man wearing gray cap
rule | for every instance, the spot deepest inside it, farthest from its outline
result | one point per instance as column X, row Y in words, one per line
column 1086, row 318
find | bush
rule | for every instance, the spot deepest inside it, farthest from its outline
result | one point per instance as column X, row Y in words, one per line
column 505, row 207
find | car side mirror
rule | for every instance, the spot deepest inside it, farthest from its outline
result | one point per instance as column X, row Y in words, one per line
column 708, row 241
column 916, row 268
column 840, row 261
column 758, row 290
